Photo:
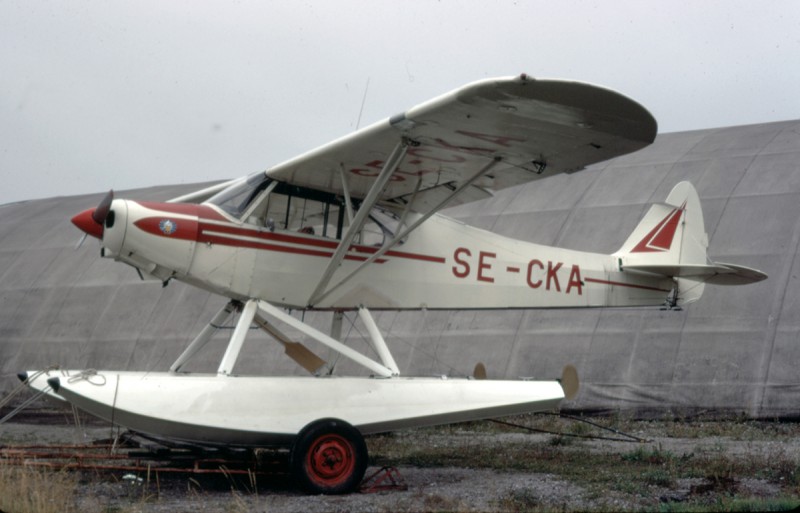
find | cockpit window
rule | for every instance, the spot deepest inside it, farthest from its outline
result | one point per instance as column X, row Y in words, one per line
column 236, row 199
column 260, row 201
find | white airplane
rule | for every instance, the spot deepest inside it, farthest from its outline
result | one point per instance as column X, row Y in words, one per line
column 353, row 226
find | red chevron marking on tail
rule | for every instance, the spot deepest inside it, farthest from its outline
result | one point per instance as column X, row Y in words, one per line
column 660, row 238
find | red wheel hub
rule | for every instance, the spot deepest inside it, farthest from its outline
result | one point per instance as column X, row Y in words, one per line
column 330, row 460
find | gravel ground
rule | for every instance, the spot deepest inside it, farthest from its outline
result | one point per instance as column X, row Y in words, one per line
column 428, row 489
column 441, row 489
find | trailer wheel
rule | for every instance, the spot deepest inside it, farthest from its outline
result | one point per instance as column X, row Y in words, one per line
column 329, row 456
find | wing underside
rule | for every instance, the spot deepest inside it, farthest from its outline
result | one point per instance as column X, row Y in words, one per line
column 530, row 128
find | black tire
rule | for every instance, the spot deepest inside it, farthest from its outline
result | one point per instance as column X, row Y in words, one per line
column 329, row 456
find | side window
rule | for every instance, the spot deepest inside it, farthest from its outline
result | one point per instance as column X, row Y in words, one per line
column 260, row 201
column 304, row 211
column 310, row 216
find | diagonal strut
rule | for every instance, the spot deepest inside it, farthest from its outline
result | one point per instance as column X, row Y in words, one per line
column 361, row 217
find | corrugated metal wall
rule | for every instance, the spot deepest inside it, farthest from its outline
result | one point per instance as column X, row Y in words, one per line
column 734, row 350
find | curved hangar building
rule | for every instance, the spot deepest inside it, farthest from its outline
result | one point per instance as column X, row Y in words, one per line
column 736, row 350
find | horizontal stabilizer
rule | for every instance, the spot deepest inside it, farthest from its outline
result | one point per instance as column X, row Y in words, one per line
column 714, row 273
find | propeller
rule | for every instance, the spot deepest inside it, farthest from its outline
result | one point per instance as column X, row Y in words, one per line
column 91, row 220
column 101, row 212
column 80, row 242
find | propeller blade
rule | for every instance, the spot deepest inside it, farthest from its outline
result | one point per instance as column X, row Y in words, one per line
column 101, row 212
column 80, row 242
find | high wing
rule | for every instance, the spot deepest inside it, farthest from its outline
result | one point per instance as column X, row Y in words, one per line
column 530, row 128
column 204, row 194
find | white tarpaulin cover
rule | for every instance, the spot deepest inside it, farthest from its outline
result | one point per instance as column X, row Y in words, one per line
column 736, row 349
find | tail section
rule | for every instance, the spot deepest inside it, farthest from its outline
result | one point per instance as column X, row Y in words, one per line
column 671, row 233
column 671, row 241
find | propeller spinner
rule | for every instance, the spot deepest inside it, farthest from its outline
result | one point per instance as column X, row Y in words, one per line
column 91, row 220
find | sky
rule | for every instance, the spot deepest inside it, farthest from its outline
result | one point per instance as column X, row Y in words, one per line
column 103, row 94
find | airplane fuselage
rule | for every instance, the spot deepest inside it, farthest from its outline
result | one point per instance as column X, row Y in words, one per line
column 442, row 264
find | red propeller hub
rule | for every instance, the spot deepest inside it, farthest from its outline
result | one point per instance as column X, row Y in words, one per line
column 85, row 221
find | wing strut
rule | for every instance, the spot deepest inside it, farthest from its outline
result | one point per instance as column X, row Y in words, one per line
column 253, row 311
column 378, row 343
column 397, row 238
column 346, row 190
column 205, row 335
column 378, row 368
column 361, row 217
column 237, row 339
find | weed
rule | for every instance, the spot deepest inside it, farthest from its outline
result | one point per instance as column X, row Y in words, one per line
column 433, row 502
column 239, row 504
column 580, row 428
column 526, row 501
column 735, row 504
column 520, row 500
column 560, row 440
column 652, row 455
column 631, row 474
column 658, row 477
column 27, row 489
column 781, row 469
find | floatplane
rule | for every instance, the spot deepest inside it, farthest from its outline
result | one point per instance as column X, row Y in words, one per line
column 354, row 226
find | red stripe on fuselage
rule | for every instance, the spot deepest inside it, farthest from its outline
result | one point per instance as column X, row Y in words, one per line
column 267, row 235
column 206, row 213
column 225, row 241
column 310, row 241
column 623, row 284
column 205, row 236
column 400, row 254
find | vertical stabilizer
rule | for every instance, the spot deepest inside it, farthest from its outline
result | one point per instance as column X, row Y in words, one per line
column 670, row 240
column 671, row 233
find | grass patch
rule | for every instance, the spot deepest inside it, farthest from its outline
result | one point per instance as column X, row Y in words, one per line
column 645, row 474
column 27, row 489
column 652, row 455
column 520, row 500
column 734, row 504
column 559, row 440
column 715, row 474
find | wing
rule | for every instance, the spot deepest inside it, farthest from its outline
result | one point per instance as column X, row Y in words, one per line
column 536, row 128
column 203, row 194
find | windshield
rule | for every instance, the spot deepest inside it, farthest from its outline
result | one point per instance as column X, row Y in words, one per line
column 235, row 199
